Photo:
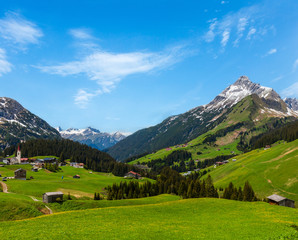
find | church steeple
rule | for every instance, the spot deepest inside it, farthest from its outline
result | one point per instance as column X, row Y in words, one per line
column 19, row 154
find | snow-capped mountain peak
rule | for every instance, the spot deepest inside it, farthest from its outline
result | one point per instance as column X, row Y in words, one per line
column 92, row 137
column 242, row 88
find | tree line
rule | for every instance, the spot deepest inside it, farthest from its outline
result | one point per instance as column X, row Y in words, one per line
column 288, row 133
column 171, row 182
column 176, row 159
column 274, row 130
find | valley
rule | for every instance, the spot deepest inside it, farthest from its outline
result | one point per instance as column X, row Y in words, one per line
column 169, row 181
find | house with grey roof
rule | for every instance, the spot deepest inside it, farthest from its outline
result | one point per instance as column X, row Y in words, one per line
column 281, row 201
column 50, row 197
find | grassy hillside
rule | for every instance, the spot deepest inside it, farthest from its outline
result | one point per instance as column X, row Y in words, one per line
column 15, row 206
column 45, row 181
column 183, row 219
column 269, row 171
column 87, row 204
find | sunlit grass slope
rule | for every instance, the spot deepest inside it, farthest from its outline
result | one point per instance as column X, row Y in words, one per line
column 183, row 219
column 45, row 181
column 269, row 171
column 86, row 204
column 15, row 206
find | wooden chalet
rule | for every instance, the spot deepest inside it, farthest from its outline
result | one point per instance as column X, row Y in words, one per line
column 132, row 174
column 281, row 201
column 50, row 197
column 20, row 174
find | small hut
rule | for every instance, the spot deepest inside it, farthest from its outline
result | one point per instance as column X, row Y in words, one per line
column 132, row 174
column 20, row 174
column 50, row 197
column 281, row 201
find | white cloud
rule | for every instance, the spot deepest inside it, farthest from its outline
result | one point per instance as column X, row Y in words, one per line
column 291, row 91
column 18, row 30
column 295, row 65
column 251, row 32
column 240, row 29
column 225, row 37
column 272, row 51
column 209, row 37
column 81, row 33
column 235, row 25
column 107, row 68
column 5, row 66
column 82, row 97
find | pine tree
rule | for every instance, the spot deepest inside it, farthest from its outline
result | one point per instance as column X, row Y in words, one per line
column 248, row 193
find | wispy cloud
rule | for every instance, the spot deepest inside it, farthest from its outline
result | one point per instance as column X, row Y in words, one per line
column 225, row 37
column 250, row 33
column 83, row 97
column 17, row 30
column 108, row 68
column 209, row 37
column 81, row 33
column 233, row 26
column 272, row 51
column 295, row 65
column 291, row 91
column 240, row 29
column 5, row 66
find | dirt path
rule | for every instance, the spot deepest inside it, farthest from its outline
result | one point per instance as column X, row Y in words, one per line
column 4, row 187
column 50, row 210
column 36, row 200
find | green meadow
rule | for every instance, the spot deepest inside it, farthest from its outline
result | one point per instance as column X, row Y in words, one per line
column 46, row 181
column 15, row 206
column 183, row 219
column 270, row 171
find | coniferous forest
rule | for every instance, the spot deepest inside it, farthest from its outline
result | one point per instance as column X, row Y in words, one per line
column 287, row 133
column 171, row 182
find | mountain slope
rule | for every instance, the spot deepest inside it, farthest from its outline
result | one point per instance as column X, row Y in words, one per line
column 17, row 123
column 248, row 118
column 274, row 170
column 92, row 137
column 187, row 126
column 292, row 103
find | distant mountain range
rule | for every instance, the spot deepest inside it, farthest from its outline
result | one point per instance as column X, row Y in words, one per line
column 264, row 104
column 17, row 123
column 92, row 137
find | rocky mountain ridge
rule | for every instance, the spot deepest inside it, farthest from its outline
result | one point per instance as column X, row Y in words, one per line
column 92, row 137
column 18, row 123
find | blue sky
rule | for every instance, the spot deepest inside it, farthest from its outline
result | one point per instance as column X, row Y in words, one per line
column 126, row 65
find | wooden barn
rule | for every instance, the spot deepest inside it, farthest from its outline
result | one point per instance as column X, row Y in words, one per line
column 281, row 201
column 20, row 174
column 50, row 197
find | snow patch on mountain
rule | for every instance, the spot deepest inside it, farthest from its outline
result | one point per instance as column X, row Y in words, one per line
column 93, row 137
column 242, row 88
